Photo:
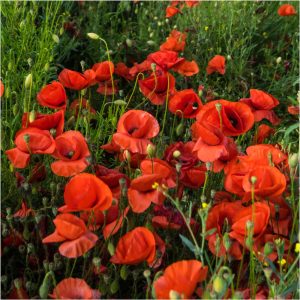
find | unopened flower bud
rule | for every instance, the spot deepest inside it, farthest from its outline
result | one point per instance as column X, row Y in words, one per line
column 120, row 102
column 15, row 109
column 219, row 285
column 249, row 225
column 28, row 81
column 278, row 60
column 29, row 61
column 147, row 273
column 26, row 138
column 218, row 107
column 173, row 295
column 151, row 150
column 18, row 283
column 293, row 160
column 179, row 129
column 97, row 262
column 178, row 167
column 153, row 67
column 150, row 42
column 32, row 116
column 268, row 272
column 124, row 272
column 114, row 287
column 127, row 155
column 111, row 248
column 55, row 38
column 93, row 36
column 129, row 43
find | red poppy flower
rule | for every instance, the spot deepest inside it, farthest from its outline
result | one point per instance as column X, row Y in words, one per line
column 164, row 60
column 104, row 70
column 263, row 132
column 75, row 80
column 74, row 107
column 85, row 192
column 220, row 217
column 140, row 68
column 175, row 42
column 216, row 64
column 24, row 211
column 123, row 71
column 141, row 193
column 294, row 110
column 192, row 3
column 185, row 103
column 181, row 277
column 266, row 154
column 270, row 182
column 236, row 118
column 186, row 68
column 72, row 153
column 74, row 288
column 167, row 217
column 135, row 247
column 134, row 130
column 53, row 95
column 158, row 87
column 259, row 215
column 30, row 141
column 212, row 145
column 161, row 168
column 1, row 88
column 286, row 10
column 46, row 121
column 261, row 104
column 72, row 231
column 172, row 11
column 194, row 177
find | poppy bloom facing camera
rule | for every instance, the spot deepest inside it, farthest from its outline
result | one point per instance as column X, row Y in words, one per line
column 53, row 95
column 287, row 10
column 85, row 192
column 134, row 130
column 216, row 64
column 186, row 104
column 30, row 141
column 72, row 231
column 157, row 87
column 135, row 247
column 72, row 153
column 181, row 277
column 233, row 118
column 74, row 288
column 175, row 41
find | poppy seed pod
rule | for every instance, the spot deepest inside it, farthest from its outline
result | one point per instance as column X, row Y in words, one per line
column 219, row 285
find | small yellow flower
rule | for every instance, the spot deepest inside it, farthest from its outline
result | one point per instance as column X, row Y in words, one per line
column 206, row 28
column 155, row 185
column 297, row 248
column 282, row 262
column 204, row 204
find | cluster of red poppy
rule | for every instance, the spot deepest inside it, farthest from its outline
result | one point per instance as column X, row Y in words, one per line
column 96, row 205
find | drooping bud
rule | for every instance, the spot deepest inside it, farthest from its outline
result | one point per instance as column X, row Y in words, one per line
column 97, row 262
column 151, row 150
column 55, row 38
column 114, row 287
column 120, row 102
column 32, row 116
column 219, row 285
column 93, row 36
column 124, row 272
column 129, row 43
column 111, row 248
column 293, row 160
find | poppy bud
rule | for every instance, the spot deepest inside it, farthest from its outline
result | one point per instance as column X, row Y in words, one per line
column 124, row 272
column 111, row 248
column 226, row 241
column 179, row 129
column 8, row 211
column 3, row 279
column 153, row 67
column 129, row 43
column 228, row 57
column 178, row 167
column 93, row 36
column 237, row 296
column 114, row 287
column 32, row 115
column 55, row 38
column 44, row 288
column 46, row 67
column 278, row 60
column 29, row 285
column 30, row 248
column 208, row 165
column 219, row 285
column 15, row 109
column 9, row 67
column 127, row 155
column 212, row 194
column 147, row 273
column 151, row 43
column 173, row 295
column 151, row 150
column 28, row 81
column 120, row 102
column 176, row 154
column 29, row 61
column 54, row 211
column 18, row 283
column 293, row 160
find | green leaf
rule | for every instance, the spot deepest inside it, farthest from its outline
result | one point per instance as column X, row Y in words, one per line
column 188, row 243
